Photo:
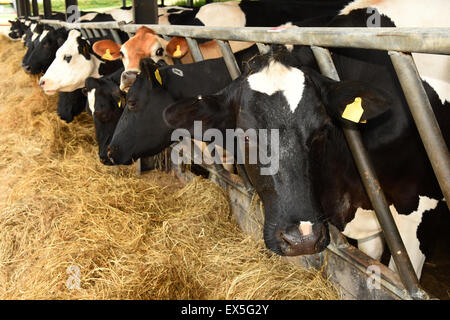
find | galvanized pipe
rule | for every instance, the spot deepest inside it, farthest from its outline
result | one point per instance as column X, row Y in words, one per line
column 424, row 118
column 229, row 59
column 425, row 40
column 116, row 36
column 374, row 191
column 195, row 49
column 96, row 33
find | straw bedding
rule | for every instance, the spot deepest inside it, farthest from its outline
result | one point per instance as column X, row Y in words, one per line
column 71, row 228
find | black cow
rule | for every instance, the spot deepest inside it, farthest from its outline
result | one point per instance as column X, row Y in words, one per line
column 106, row 104
column 71, row 104
column 17, row 29
column 317, row 181
column 137, row 133
column 44, row 52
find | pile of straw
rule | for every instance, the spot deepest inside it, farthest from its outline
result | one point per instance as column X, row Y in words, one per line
column 71, row 228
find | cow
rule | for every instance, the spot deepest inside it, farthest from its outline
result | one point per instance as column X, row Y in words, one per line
column 145, row 43
column 105, row 103
column 73, row 64
column 17, row 30
column 31, row 40
column 71, row 104
column 140, row 131
column 44, row 51
column 317, row 181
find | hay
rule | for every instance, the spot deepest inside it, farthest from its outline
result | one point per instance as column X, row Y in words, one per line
column 130, row 238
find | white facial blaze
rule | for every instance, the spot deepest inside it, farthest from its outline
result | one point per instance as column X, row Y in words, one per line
column 91, row 100
column 35, row 36
column 43, row 35
column 69, row 76
column 433, row 68
column 277, row 77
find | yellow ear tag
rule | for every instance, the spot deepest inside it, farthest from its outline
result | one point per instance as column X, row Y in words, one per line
column 353, row 111
column 177, row 52
column 120, row 103
column 107, row 55
column 158, row 76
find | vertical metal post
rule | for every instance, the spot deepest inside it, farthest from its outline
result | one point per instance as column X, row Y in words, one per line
column 19, row 9
column 47, row 9
column 424, row 118
column 68, row 4
column 372, row 186
column 190, row 3
column 35, row 8
column 96, row 33
column 195, row 50
column 116, row 36
column 145, row 11
column 27, row 8
column 229, row 59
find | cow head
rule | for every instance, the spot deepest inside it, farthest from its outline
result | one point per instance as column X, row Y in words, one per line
column 145, row 43
column 44, row 52
column 71, row 104
column 106, row 103
column 304, row 107
column 73, row 64
column 32, row 37
column 141, row 130
column 17, row 30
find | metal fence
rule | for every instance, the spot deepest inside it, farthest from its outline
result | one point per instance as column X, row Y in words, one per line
column 397, row 41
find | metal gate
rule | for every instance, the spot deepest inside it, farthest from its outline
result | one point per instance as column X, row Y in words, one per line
column 347, row 266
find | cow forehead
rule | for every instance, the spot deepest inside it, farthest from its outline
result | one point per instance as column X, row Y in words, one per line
column 70, row 46
column 276, row 77
column 140, row 43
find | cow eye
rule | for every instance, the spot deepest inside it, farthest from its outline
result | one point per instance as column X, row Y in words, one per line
column 160, row 52
column 68, row 58
column 131, row 105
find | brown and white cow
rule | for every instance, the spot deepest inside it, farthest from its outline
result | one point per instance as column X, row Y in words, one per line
column 146, row 43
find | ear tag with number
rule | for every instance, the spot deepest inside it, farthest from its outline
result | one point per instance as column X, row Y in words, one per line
column 354, row 111
column 107, row 55
column 177, row 52
column 158, row 76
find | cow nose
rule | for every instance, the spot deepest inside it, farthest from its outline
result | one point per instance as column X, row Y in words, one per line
column 112, row 151
column 127, row 79
column 304, row 239
column 26, row 68
column 41, row 83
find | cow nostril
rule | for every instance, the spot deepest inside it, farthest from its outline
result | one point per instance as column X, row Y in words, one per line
column 41, row 83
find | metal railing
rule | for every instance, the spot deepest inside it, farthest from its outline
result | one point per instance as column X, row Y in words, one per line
column 396, row 41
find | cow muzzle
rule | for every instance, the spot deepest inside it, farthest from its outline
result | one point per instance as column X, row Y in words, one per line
column 127, row 79
column 303, row 239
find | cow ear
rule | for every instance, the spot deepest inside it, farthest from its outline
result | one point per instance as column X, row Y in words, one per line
column 91, row 83
column 212, row 110
column 177, row 47
column 352, row 101
column 150, row 70
column 107, row 49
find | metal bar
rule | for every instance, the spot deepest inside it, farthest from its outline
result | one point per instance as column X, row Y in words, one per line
column 47, row 9
column 424, row 40
column 84, row 34
column 373, row 189
column 19, row 9
column 104, row 33
column 195, row 49
column 424, row 118
column 230, row 60
column 89, row 33
column 27, row 8
column 35, row 8
column 116, row 36
column 96, row 33
column 145, row 11
column 70, row 3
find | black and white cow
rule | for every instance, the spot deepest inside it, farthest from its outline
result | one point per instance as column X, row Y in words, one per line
column 106, row 103
column 141, row 131
column 74, row 63
column 317, row 181
column 17, row 29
